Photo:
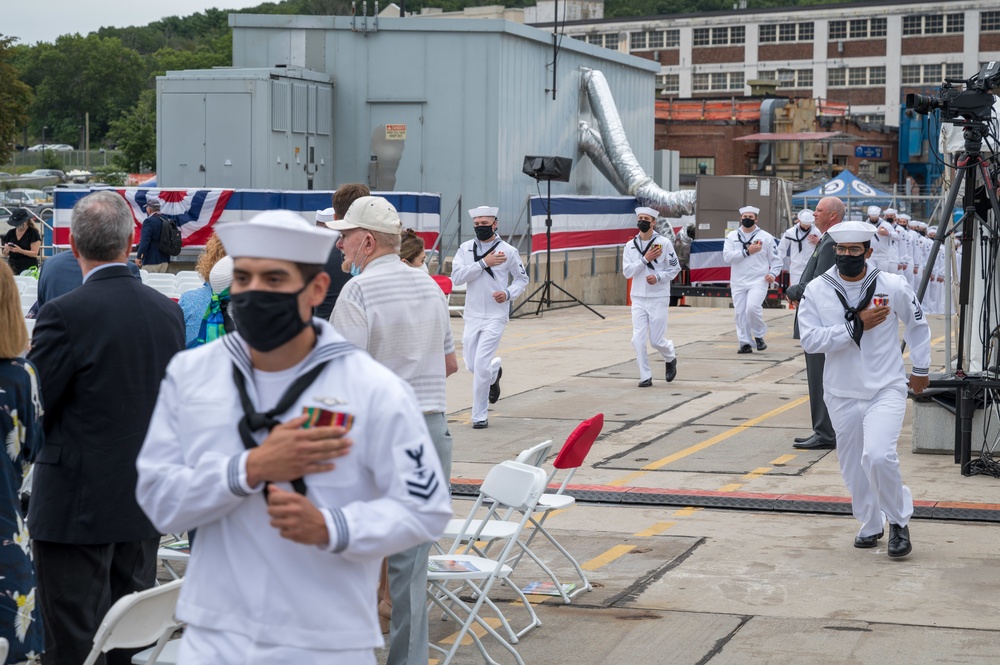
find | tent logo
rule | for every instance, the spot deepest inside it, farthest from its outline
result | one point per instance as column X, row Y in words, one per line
column 863, row 189
column 832, row 187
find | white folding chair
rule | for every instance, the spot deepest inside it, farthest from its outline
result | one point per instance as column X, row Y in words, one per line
column 570, row 458
column 24, row 280
column 160, row 278
column 137, row 620
column 167, row 289
column 28, row 299
column 457, row 288
column 184, row 287
column 30, row 289
column 193, row 274
column 507, row 484
column 143, row 274
column 177, row 551
column 29, row 324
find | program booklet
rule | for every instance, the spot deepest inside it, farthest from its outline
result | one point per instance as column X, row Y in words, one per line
column 450, row 566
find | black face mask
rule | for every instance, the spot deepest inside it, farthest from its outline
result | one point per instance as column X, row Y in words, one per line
column 850, row 266
column 484, row 233
column 747, row 222
column 644, row 225
column 266, row 319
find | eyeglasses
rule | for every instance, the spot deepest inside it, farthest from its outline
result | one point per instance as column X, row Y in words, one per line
column 841, row 250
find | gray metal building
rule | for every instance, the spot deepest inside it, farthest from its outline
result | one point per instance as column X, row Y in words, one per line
column 449, row 106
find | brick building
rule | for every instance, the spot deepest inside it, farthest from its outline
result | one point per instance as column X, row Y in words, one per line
column 864, row 56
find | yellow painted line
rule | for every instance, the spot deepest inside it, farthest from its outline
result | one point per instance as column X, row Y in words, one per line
column 731, row 487
column 493, row 623
column 783, row 460
column 709, row 442
column 758, row 472
column 654, row 530
column 607, row 557
column 684, row 512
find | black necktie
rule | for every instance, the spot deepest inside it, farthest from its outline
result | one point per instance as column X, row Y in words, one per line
column 253, row 421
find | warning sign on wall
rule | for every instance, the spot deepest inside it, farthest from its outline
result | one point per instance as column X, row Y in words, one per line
column 395, row 132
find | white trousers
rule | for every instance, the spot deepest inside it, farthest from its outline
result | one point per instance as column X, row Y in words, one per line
column 201, row 646
column 480, row 341
column 867, row 432
column 748, row 300
column 649, row 322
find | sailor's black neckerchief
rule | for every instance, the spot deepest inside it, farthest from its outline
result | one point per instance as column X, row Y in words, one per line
column 642, row 251
column 853, row 322
column 477, row 257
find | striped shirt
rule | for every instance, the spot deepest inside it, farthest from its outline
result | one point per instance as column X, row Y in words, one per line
column 400, row 316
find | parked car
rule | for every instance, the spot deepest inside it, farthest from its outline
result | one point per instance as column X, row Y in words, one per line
column 25, row 198
column 4, row 174
column 49, row 173
column 56, row 147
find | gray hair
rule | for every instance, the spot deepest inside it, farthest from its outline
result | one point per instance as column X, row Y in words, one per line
column 387, row 241
column 102, row 226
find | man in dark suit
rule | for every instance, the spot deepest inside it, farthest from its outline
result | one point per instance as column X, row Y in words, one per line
column 101, row 351
column 829, row 211
column 61, row 274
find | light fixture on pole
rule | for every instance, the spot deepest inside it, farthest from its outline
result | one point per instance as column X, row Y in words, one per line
column 549, row 169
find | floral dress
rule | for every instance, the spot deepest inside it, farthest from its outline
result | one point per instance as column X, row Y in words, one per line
column 21, row 437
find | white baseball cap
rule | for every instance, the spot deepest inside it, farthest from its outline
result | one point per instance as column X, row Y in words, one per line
column 372, row 213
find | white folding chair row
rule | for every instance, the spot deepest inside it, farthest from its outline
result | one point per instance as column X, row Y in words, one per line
column 160, row 278
column 168, row 290
column 457, row 289
column 28, row 299
column 184, row 288
column 24, row 280
column 29, row 324
column 30, row 289
column 139, row 619
column 182, row 274
column 508, row 485
column 4, row 646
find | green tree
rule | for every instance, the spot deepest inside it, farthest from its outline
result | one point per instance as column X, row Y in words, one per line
column 15, row 97
column 135, row 133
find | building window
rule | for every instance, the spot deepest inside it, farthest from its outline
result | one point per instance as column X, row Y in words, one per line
column 953, row 70
column 856, row 77
column 804, row 78
column 637, row 41
column 611, row 41
column 910, row 74
column 655, row 39
column 719, row 36
column 932, row 74
column 861, row 28
column 933, row 24
column 717, row 81
column 668, row 82
column 806, row 32
column 989, row 22
column 767, row 34
column 789, row 78
column 786, row 32
column 672, row 38
column 596, row 39
column 697, row 165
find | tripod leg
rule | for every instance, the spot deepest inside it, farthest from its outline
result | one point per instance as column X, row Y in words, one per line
column 578, row 301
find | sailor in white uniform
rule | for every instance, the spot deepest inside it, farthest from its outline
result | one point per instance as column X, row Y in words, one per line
column 798, row 244
column 301, row 461
column 752, row 254
column 650, row 262
column 884, row 253
column 904, row 244
column 850, row 314
column 494, row 276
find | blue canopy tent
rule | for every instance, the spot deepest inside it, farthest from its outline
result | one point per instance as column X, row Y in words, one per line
column 856, row 194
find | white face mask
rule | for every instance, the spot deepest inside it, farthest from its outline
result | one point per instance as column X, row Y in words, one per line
column 423, row 266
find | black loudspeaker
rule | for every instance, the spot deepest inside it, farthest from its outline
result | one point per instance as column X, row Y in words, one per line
column 548, row 168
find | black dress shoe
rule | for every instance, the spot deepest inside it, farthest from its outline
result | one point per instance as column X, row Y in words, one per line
column 495, row 387
column 864, row 542
column 899, row 540
column 480, row 424
column 645, row 384
column 803, row 439
column 745, row 348
column 760, row 343
column 671, row 370
column 814, row 443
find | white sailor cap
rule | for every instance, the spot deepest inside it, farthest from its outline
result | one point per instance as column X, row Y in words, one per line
column 324, row 216
column 372, row 213
column 749, row 209
column 851, row 232
column 917, row 225
column 806, row 217
column 277, row 234
column 483, row 211
column 889, row 212
column 652, row 212
column 221, row 275
column 903, row 215
column 873, row 211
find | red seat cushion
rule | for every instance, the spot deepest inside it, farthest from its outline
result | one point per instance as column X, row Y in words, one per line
column 578, row 444
column 444, row 282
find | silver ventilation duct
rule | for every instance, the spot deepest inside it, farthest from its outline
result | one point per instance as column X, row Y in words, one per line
column 620, row 157
column 768, row 107
column 592, row 145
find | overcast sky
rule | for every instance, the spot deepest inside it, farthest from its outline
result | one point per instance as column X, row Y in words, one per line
column 44, row 20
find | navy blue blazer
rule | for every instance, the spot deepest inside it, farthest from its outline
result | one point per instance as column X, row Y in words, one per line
column 101, row 351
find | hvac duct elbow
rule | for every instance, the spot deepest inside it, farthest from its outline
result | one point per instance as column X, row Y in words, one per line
column 621, row 157
column 592, row 146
